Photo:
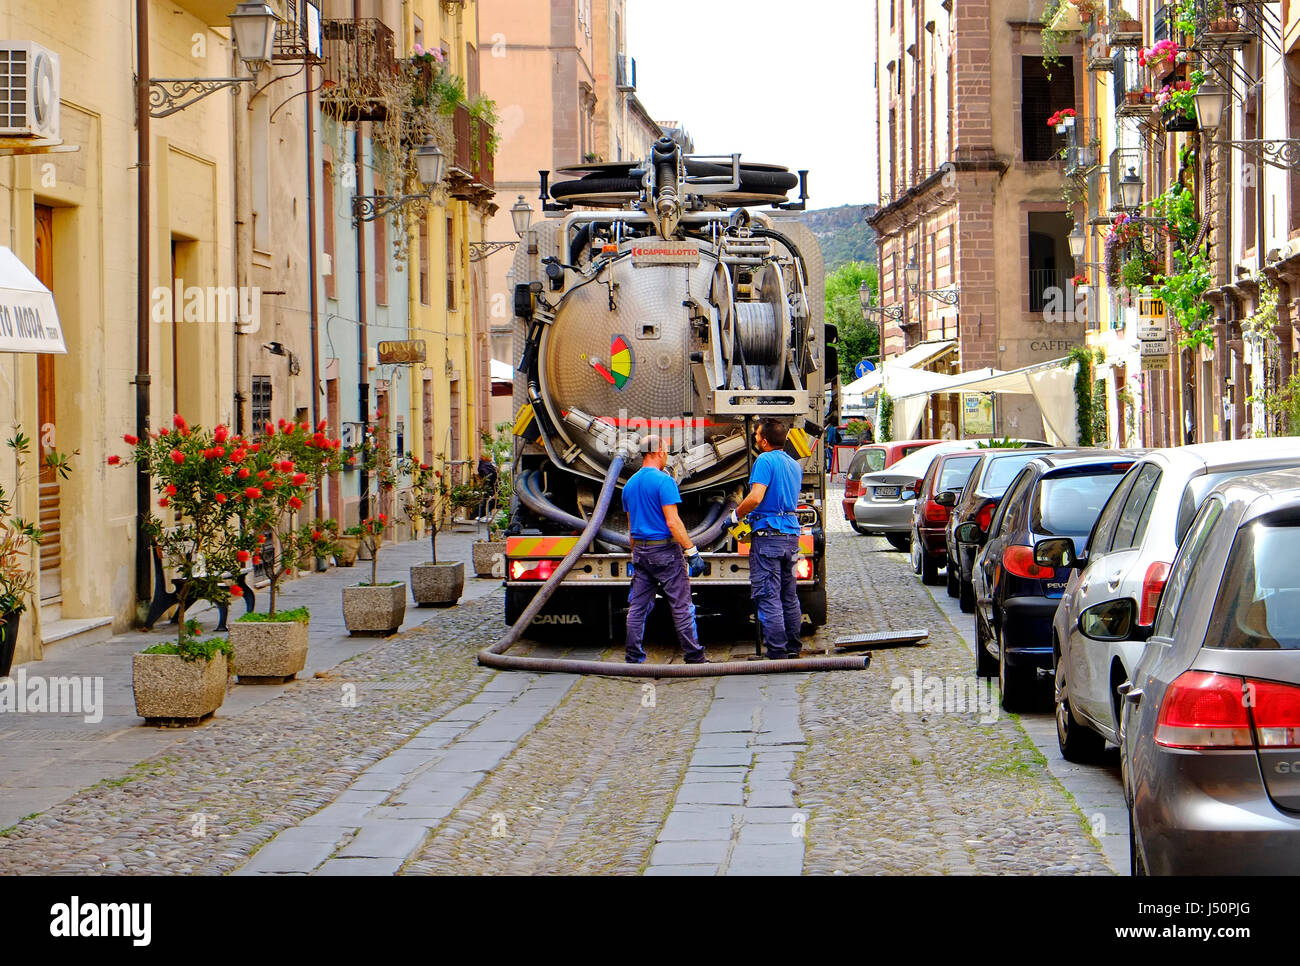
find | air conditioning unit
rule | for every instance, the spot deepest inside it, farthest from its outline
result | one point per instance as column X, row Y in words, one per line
column 29, row 91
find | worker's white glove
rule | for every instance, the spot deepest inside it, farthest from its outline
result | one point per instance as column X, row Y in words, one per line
column 694, row 562
column 732, row 519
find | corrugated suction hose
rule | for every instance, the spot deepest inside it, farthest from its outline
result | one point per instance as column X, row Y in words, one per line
column 495, row 656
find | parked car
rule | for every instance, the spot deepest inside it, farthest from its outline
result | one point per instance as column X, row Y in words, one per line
column 872, row 458
column 1128, row 554
column 1055, row 495
column 939, row 490
column 1210, row 733
column 978, row 500
column 886, row 497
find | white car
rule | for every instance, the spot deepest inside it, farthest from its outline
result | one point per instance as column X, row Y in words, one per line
column 1128, row 555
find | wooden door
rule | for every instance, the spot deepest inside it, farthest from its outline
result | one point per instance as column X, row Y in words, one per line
column 45, row 439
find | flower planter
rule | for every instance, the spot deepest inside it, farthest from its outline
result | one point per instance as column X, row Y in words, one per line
column 170, row 690
column 374, row 609
column 1132, row 97
column 8, row 640
column 437, row 584
column 489, row 558
column 1130, row 26
column 1228, row 25
column 268, row 652
column 348, row 549
column 1178, row 121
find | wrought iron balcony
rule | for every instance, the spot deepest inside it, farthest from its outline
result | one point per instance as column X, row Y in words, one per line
column 299, row 41
column 1082, row 151
column 470, row 175
column 359, row 65
column 1123, row 32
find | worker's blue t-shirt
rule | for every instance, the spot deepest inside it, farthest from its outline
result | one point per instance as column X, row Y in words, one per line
column 782, row 477
column 644, row 497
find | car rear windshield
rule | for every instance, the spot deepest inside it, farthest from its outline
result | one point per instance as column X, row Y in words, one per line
column 867, row 461
column 1199, row 487
column 1069, row 504
column 918, row 463
column 1259, row 599
column 956, row 470
column 1001, row 471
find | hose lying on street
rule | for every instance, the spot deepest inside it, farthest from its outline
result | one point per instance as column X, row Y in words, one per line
column 496, row 657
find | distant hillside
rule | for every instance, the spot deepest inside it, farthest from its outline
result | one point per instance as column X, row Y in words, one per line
column 843, row 234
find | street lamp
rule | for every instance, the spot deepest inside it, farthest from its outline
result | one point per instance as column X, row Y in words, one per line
column 253, row 25
column 430, row 164
column 1210, row 102
column 912, row 274
column 1130, row 190
column 1078, row 240
column 521, row 215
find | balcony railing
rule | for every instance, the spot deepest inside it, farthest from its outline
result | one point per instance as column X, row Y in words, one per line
column 1042, row 282
column 470, row 174
column 299, row 42
column 1123, row 33
column 1121, row 159
column 359, row 55
column 1084, row 141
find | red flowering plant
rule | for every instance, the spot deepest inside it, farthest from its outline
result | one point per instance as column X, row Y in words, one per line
column 1059, row 117
column 274, row 481
column 371, row 532
column 427, row 499
column 188, row 467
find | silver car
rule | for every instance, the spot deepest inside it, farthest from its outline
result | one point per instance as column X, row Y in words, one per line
column 887, row 497
column 1210, row 738
column 1128, row 554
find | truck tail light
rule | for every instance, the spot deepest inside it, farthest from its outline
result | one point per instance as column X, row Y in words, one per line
column 984, row 516
column 1276, row 708
column 532, row 569
column 1205, row 710
column 803, row 569
column 1153, row 585
column 934, row 513
column 1019, row 561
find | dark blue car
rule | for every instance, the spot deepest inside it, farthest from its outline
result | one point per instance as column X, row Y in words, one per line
column 1056, row 495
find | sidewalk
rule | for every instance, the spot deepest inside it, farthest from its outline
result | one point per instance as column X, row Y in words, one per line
column 46, row 757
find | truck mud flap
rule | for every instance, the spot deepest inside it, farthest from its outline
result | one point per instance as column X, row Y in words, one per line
column 570, row 616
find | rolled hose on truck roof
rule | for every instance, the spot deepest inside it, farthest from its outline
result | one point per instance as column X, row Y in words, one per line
column 496, row 656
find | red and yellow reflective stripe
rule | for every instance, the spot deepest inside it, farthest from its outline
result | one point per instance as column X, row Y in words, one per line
column 805, row 545
column 539, row 546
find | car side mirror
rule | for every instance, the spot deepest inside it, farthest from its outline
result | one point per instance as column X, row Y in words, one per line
column 947, row 498
column 1112, row 621
column 1055, row 552
column 969, row 532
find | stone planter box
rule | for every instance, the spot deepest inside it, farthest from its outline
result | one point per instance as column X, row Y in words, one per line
column 437, row 584
column 374, row 609
column 173, row 690
column 489, row 558
column 268, row 652
column 348, row 549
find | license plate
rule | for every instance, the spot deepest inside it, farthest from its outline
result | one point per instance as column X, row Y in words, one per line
column 886, row 492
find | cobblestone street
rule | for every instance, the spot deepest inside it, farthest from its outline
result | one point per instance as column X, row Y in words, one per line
column 445, row 767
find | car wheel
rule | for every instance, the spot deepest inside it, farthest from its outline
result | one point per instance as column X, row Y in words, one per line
column 899, row 541
column 1136, row 866
column 858, row 527
column 1078, row 743
column 929, row 565
column 1013, row 682
column 986, row 665
column 954, row 581
column 917, row 554
column 966, row 597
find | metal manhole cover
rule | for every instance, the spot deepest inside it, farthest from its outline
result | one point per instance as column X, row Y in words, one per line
column 915, row 635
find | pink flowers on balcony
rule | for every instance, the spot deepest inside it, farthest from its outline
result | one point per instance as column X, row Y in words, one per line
column 1159, row 56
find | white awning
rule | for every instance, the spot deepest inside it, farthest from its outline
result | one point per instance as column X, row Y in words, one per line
column 912, row 359
column 28, row 320
column 502, row 371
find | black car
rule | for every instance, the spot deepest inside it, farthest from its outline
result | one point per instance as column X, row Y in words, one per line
column 1057, row 495
column 978, row 501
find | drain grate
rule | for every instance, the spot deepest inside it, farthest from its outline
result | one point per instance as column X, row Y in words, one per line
column 38, row 735
column 915, row 635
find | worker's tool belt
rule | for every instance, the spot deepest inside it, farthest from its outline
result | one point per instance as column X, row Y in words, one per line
column 770, row 533
column 652, row 543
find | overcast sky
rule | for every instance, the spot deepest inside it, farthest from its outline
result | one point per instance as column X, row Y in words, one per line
column 780, row 82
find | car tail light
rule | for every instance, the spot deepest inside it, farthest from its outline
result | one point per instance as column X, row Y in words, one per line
column 532, row 569
column 803, row 569
column 1276, row 708
column 934, row 513
column 1205, row 710
column 851, row 489
column 984, row 516
column 1153, row 585
column 1019, row 561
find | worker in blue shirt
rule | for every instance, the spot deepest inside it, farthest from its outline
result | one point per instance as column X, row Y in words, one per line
column 659, row 539
column 771, row 506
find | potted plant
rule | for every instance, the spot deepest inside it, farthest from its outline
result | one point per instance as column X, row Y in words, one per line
column 280, row 472
column 373, row 609
column 18, row 537
column 197, row 479
column 1159, row 57
column 489, row 554
column 1062, row 120
column 1126, row 22
column 434, row 583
